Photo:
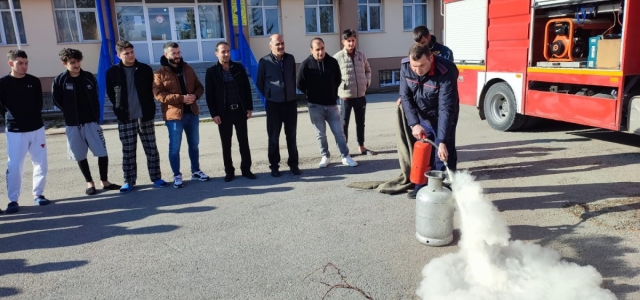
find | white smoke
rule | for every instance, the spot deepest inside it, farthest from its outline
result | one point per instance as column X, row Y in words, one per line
column 489, row 266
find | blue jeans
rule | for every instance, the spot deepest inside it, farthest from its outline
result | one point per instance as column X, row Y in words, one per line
column 190, row 123
column 330, row 114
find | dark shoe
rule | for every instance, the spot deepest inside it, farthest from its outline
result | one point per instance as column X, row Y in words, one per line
column 90, row 191
column 412, row 194
column 112, row 187
column 41, row 200
column 229, row 177
column 275, row 173
column 295, row 170
column 249, row 175
column 13, row 207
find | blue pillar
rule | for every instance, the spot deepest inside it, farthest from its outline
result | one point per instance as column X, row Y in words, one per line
column 104, row 62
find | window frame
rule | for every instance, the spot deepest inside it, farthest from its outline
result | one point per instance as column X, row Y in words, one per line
column 3, row 34
column 317, row 7
column 413, row 5
column 77, row 12
column 368, row 5
column 395, row 81
column 263, row 9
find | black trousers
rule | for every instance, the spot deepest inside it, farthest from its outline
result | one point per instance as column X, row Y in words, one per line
column 234, row 118
column 359, row 106
column 279, row 113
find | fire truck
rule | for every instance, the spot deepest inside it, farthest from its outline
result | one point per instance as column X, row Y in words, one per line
column 566, row 60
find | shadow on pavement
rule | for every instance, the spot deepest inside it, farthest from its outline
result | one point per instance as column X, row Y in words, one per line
column 15, row 266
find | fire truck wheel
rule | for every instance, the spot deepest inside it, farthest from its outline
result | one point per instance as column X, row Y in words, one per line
column 500, row 108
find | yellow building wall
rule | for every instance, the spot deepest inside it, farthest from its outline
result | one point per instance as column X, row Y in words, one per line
column 42, row 45
column 292, row 25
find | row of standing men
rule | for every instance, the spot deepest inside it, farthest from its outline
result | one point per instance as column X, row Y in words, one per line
column 132, row 87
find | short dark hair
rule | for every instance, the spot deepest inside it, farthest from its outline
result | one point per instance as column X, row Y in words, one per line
column 420, row 32
column 168, row 45
column 221, row 43
column 122, row 44
column 348, row 33
column 417, row 51
column 315, row 39
column 13, row 54
column 68, row 53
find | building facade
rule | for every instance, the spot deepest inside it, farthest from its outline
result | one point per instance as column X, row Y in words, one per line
column 46, row 26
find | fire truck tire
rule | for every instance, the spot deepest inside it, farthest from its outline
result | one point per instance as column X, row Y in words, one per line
column 500, row 108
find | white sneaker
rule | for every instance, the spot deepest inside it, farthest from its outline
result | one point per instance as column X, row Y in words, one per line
column 199, row 176
column 324, row 162
column 177, row 181
column 348, row 161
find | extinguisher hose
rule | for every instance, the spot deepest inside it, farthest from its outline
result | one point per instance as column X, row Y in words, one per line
column 449, row 173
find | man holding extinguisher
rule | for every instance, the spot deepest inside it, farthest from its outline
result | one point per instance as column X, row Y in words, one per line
column 429, row 96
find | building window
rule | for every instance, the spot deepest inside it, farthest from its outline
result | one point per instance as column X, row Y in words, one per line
column 318, row 15
column 8, row 32
column 76, row 21
column 264, row 17
column 414, row 13
column 389, row 77
column 369, row 15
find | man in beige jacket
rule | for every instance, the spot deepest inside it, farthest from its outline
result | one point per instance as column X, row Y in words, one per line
column 356, row 78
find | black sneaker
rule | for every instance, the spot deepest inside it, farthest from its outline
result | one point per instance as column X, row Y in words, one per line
column 275, row 173
column 412, row 194
column 41, row 200
column 295, row 170
column 13, row 207
column 249, row 175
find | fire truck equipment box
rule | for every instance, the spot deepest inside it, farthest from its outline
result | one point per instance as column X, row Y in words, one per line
column 608, row 54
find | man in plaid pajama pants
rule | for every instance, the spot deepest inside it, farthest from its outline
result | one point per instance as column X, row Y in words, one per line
column 129, row 87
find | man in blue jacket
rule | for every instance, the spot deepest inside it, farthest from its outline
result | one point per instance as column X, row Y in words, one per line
column 422, row 35
column 429, row 93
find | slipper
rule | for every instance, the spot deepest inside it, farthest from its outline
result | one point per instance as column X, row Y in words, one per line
column 368, row 152
column 90, row 191
column 112, row 187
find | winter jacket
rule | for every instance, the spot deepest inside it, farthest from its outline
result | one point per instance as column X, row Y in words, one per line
column 356, row 74
column 21, row 103
column 216, row 97
column 166, row 89
column 432, row 97
column 64, row 97
column 118, row 93
column 440, row 49
column 319, row 80
column 276, row 83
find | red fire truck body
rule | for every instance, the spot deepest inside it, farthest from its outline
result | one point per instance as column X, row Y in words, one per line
column 567, row 60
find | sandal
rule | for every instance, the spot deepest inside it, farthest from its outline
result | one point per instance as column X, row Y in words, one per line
column 368, row 152
column 112, row 187
column 90, row 191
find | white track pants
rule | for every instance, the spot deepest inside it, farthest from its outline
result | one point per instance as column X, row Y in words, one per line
column 18, row 145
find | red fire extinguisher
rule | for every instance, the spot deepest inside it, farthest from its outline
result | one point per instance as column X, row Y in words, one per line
column 421, row 161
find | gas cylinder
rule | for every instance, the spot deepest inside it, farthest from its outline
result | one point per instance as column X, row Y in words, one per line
column 434, row 212
column 421, row 161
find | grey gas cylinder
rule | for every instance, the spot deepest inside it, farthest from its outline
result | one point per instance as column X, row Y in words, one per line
column 434, row 212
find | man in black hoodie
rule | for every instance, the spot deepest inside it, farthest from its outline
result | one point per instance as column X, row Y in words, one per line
column 21, row 108
column 130, row 90
column 75, row 93
column 319, row 77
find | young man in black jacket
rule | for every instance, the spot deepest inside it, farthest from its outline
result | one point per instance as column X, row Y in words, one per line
column 277, row 83
column 21, row 108
column 318, row 78
column 130, row 90
column 230, row 104
column 75, row 93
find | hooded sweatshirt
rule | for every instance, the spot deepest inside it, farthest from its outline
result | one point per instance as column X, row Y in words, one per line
column 319, row 80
